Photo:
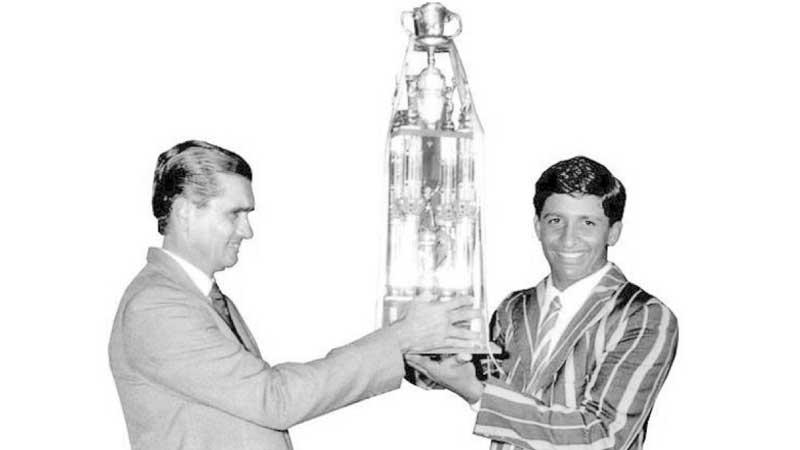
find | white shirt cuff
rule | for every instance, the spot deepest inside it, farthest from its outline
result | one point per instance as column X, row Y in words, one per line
column 476, row 406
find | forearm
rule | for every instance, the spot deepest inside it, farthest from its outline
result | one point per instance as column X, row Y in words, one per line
column 178, row 347
column 509, row 416
column 299, row 392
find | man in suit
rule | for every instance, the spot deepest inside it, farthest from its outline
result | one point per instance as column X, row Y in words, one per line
column 588, row 350
column 188, row 371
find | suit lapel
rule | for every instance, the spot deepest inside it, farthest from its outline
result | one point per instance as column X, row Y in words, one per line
column 241, row 328
column 597, row 306
column 164, row 263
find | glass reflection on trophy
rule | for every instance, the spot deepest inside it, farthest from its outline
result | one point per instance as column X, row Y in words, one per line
column 434, row 222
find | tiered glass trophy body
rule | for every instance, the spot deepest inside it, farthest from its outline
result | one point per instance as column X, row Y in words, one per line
column 433, row 159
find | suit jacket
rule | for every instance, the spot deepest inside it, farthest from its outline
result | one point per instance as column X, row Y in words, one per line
column 597, row 388
column 186, row 382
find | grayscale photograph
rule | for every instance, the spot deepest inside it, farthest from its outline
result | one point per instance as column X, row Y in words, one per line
column 400, row 225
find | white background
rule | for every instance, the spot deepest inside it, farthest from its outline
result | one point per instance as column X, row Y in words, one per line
column 693, row 104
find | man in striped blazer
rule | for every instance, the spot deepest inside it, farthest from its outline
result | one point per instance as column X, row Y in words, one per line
column 588, row 350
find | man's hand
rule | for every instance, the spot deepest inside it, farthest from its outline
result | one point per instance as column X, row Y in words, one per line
column 428, row 326
column 454, row 372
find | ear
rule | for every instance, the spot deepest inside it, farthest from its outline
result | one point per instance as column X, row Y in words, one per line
column 614, row 232
column 181, row 210
column 536, row 227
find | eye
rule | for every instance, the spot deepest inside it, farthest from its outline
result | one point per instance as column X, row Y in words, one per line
column 554, row 220
column 589, row 223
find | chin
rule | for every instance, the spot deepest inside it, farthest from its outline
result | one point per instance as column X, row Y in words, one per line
column 573, row 275
column 230, row 262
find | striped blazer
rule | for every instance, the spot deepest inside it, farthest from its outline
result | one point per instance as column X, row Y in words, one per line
column 597, row 388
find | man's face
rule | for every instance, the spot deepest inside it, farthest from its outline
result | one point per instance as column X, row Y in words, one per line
column 215, row 231
column 574, row 232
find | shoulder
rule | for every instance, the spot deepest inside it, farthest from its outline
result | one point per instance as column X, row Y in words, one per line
column 633, row 302
column 153, row 288
column 514, row 304
column 516, row 299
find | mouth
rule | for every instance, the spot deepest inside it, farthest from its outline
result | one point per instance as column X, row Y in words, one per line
column 570, row 257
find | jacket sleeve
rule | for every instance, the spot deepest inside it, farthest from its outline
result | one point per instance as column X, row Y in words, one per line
column 618, row 398
column 174, row 342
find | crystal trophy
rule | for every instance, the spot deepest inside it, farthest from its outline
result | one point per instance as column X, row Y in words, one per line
column 433, row 154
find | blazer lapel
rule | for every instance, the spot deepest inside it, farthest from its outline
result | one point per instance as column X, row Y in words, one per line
column 597, row 306
column 524, row 338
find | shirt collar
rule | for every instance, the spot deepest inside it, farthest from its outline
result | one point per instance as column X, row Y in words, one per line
column 200, row 279
column 581, row 288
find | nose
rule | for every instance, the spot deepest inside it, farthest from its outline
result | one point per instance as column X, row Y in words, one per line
column 568, row 235
column 245, row 230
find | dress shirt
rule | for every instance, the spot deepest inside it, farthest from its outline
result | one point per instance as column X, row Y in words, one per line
column 200, row 279
column 572, row 298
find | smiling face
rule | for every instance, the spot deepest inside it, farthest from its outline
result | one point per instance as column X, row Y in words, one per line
column 215, row 231
column 575, row 234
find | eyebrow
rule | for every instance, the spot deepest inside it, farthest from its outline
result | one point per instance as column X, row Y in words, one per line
column 244, row 209
column 584, row 216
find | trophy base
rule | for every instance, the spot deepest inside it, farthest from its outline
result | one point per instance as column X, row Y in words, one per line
column 394, row 307
column 493, row 349
column 486, row 365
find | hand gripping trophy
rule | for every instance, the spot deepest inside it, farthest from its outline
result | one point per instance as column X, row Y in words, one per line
column 433, row 150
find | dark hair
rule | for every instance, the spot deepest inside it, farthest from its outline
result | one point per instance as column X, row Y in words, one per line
column 189, row 169
column 580, row 176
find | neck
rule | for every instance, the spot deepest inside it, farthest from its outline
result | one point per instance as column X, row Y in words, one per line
column 564, row 284
column 175, row 245
column 561, row 285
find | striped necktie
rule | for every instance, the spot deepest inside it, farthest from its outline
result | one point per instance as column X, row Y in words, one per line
column 220, row 304
column 549, row 321
column 544, row 339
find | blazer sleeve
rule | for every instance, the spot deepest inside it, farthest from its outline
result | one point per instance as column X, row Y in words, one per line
column 617, row 400
column 173, row 342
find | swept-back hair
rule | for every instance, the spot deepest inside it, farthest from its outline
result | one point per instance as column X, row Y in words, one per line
column 190, row 169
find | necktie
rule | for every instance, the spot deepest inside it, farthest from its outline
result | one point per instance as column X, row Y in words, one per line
column 220, row 304
column 544, row 339
column 549, row 319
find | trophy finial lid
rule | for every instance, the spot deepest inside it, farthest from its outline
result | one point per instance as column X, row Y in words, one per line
column 429, row 23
